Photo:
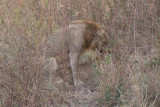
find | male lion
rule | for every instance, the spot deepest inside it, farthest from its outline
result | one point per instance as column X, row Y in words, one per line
column 72, row 41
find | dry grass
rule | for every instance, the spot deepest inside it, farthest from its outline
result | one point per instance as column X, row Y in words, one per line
column 128, row 76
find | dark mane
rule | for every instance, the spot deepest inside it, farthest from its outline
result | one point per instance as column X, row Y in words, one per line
column 90, row 32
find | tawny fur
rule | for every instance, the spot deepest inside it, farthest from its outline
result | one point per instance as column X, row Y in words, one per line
column 69, row 43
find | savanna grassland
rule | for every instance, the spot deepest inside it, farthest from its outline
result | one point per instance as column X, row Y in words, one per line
column 128, row 75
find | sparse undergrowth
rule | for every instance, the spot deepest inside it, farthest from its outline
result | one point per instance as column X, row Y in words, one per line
column 128, row 76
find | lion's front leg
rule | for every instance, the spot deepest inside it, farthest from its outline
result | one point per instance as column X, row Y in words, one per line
column 74, row 62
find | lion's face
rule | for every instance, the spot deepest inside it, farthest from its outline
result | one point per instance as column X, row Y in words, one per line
column 99, row 41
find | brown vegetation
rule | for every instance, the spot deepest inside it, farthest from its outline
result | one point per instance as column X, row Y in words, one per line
column 127, row 76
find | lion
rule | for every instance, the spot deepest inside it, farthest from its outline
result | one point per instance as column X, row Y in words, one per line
column 70, row 42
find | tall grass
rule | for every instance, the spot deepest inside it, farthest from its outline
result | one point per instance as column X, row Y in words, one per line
column 129, row 75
